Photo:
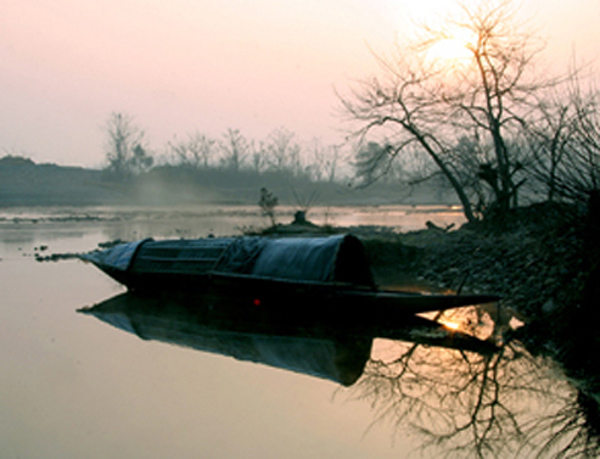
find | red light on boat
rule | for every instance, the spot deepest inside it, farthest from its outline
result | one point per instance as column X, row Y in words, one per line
column 256, row 302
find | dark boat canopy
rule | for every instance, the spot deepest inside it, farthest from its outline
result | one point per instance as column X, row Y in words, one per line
column 322, row 259
column 339, row 258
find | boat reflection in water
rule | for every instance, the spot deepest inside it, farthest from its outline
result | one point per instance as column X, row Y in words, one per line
column 337, row 350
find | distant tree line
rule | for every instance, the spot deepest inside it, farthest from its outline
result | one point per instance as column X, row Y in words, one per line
column 128, row 155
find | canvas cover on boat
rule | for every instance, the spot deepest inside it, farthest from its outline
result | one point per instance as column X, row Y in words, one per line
column 320, row 259
column 118, row 257
column 339, row 258
column 180, row 256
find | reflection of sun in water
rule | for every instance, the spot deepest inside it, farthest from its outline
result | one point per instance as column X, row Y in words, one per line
column 450, row 325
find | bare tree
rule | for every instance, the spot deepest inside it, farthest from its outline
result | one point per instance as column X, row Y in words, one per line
column 196, row 151
column 374, row 162
column 235, row 148
column 549, row 140
column 585, row 176
column 323, row 161
column 429, row 105
column 564, row 142
column 331, row 165
column 579, row 174
column 259, row 158
column 125, row 150
column 282, row 152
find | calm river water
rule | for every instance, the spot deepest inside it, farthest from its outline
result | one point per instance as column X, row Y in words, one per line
column 73, row 386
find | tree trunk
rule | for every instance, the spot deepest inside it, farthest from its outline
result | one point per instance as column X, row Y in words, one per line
column 458, row 188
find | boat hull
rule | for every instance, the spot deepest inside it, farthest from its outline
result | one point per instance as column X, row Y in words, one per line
column 293, row 276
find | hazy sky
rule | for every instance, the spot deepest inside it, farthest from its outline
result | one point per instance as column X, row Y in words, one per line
column 183, row 65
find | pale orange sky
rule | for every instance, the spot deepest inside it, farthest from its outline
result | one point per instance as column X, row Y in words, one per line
column 187, row 65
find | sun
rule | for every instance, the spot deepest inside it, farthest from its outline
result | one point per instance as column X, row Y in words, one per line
column 452, row 50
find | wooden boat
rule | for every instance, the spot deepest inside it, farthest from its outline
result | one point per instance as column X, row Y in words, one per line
column 268, row 272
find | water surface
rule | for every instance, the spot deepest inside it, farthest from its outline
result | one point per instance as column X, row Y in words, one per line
column 73, row 386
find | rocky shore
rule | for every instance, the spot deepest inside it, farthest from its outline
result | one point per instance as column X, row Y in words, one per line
column 534, row 261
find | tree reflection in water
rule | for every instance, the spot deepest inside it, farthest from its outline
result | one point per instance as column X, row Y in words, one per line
column 509, row 404
column 462, row 396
